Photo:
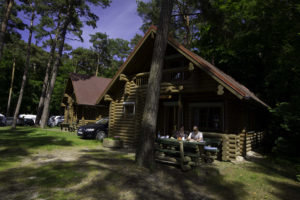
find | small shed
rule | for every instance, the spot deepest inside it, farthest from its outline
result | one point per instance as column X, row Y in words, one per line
column 80, row 99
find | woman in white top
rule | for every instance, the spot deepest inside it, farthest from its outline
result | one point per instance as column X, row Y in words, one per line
column 195, row 135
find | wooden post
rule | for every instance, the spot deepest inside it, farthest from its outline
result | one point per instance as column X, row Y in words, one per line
column 179, row 111
column 225, row 116
column 181, row 154
column 82, row 116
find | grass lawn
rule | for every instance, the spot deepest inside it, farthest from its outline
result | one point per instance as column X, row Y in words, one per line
column 49, row 164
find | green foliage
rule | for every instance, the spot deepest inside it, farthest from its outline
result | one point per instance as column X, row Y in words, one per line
column 32, row 91
column 149, row 12
column 110, row 53
column 135, row 40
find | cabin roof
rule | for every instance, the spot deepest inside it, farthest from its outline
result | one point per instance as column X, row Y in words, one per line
column 87, row 88
column 222, row 78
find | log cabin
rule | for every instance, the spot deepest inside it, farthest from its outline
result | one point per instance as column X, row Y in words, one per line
column 80, row 99
column 193, row 92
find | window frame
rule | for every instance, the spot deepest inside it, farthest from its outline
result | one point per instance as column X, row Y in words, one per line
column 192, row 106
column 128, row 103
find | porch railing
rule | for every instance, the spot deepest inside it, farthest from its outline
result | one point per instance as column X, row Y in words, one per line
column 170, row 75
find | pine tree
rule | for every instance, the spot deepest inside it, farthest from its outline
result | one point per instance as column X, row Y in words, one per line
column 145, row 150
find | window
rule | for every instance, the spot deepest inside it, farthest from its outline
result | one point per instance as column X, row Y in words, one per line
column 207, row 116
column 128, row 108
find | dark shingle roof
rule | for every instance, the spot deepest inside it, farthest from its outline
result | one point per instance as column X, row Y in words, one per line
column 88, row 88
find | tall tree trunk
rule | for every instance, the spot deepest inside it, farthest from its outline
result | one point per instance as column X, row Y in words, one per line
column 52, row 84
column 54, row 72
column 27, row 66
column 97, row 69
column 11, row 86
column 47, row 74
column 9, row 5
column 184, row 14
column 45, row 87
column 145, row 150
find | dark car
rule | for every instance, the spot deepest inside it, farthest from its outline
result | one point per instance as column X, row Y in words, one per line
column 9, row 121
column 97, row 130
column 2, row 120
column 25, row 122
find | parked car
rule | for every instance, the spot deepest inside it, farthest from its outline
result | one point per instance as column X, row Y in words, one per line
column 27, row 119
column 94, row 131
column 9, row 121
column 51, row 121
column 55, row 120
column 2, row 120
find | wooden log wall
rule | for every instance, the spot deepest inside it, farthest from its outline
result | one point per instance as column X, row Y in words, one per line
column 230, row 147
column 250, row 140
column 127, row 127
column 239, row 144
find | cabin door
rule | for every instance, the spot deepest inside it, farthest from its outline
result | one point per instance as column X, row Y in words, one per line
column 168, row 118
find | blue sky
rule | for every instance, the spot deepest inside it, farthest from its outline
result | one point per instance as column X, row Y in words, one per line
column 120, row 20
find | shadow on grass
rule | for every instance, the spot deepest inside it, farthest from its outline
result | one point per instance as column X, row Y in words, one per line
column 124, row 180
column 31, row 182
column 15, row 144
column 285, row 191
column 281, row 177
column 270, row 167
column 103, row 174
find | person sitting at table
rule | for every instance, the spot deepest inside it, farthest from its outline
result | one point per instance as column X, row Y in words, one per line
column 196, row 135
column 180, row 133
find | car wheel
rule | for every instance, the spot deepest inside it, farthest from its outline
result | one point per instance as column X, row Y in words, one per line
column 100, row 135
column 89, row 135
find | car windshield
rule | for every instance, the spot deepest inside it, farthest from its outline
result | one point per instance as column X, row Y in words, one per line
column 102, row 121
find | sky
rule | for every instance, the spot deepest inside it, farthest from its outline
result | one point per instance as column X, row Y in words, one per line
column 120, row 20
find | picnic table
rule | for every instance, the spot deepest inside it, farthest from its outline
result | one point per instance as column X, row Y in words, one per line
column 184, row 153
column 68, row 127
column 187, row 154
column 64, row 126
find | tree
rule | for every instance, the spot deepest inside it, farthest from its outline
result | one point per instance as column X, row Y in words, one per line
column 100, row 47
column 145, row 150
column 49, row 27
column 149, row 12
column 74, row 11
column 111, row 53
column 24, row 80
column 8, row 7
column 184, row 16
column 119, row 48
column 85, row 61
column 11, row 86
column 135, row 40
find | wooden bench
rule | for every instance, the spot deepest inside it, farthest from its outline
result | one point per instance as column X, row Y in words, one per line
column 183, row 153
column 212, row 149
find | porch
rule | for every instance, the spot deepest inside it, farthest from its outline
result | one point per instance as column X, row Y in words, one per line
column 213, row 115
